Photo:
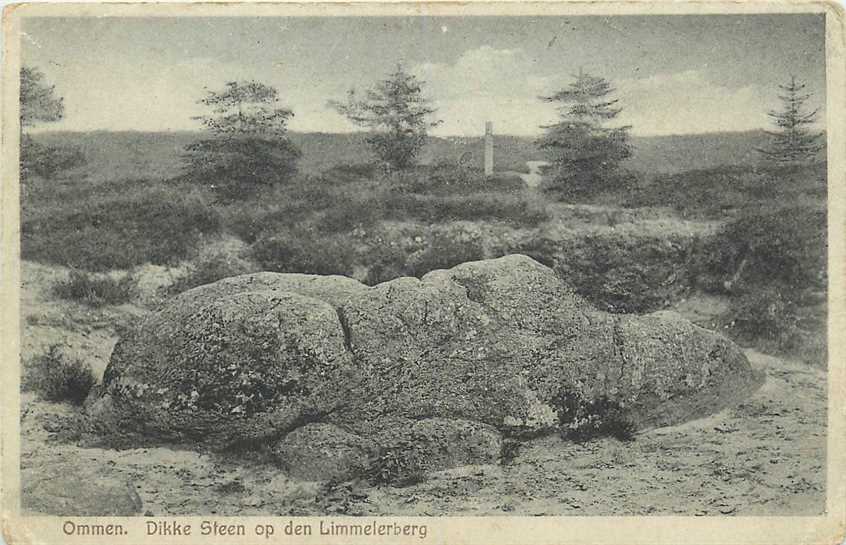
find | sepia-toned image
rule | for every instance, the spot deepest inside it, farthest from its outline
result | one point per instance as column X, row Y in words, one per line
column 422, row 265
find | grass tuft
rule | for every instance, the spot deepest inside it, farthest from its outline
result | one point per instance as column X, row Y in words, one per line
column 55, row 377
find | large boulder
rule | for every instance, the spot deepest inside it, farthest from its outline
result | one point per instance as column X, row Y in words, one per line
column 491, row 344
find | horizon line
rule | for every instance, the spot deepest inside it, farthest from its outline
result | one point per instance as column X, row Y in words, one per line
column 338, row 133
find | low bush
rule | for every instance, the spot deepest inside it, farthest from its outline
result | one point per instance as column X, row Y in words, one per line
column 48, row 161
column 349, row 215
column 210, row 269
column 398, row 465
column 717, row 191
column 619, row 272
column 515, row 209
column 56, row 378
column 444, row 251
column 119, row 227
column 303, row 252
column 766, row 314
column 772, row 320
column 95, row 290
column 385, row 262
column 584, row 187
column 785, row 248
column 453, row 179
column 581, row 419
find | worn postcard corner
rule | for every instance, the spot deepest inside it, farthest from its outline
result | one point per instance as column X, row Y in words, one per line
column 456, row 273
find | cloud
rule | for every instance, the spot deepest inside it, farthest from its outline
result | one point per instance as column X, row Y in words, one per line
column 503, row 85
column 691, row 102
column 486, row 84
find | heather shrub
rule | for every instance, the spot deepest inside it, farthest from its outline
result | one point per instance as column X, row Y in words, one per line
column 785, row 248
column 453, row 179
column 55, row 377
column 349, row 215
column 303, row 252
column 48, row 161
column 581, row 419
column 618, row 272
column 714, row 192
column 397, row 465
column 516, row 209
column 385, row 262
column 95, row 290
column 119, row 227
column 767, row 315
column 211, row 268
column 444, row 251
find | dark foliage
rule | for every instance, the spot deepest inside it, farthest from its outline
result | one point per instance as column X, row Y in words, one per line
column 717, row 192
column 786, row 248
column 584, row 153
column 453, row 179
column 47, row 161
column 248, row 146
column 445, row 251
column 39, row 102
column 95, row 290
column 397, row 115
column 510, row 450
column 210, row 269
column 618, row 272
column 56, row 378
column 583, row 419
column 397, row 465
column 767, row 314
column 385, row 262
column 355, row 214
column 127, row 225
column 516, row 209
column 235, row 167
column 303, row 252
column 793, row 141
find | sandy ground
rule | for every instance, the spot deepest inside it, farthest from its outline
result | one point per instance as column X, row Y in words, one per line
column 765, row 456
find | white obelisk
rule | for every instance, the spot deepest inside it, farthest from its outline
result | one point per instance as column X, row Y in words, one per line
column 489, row 161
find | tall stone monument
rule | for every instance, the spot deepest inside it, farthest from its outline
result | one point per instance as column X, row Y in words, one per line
column 489, row 160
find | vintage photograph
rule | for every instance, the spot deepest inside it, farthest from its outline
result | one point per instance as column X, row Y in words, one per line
column 423, row 265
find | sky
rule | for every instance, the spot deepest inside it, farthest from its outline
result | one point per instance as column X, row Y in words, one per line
column 673, row 74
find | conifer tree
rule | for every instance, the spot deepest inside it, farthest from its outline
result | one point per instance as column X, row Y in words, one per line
column 247, row 145
column 397, row 114
column 39, row 103
column 584, row 152
column 793, row 141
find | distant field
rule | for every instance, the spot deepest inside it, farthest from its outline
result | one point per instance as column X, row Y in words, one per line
column 132, row 155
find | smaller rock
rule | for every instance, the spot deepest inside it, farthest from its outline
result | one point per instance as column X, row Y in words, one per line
column 323, row 452
column 443, row 443
column 66, row 489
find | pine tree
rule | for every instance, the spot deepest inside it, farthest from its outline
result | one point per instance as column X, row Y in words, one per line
column 793, row 142
column 39, row 103
column 584, row 153
column 397, row 114
column 248, row 144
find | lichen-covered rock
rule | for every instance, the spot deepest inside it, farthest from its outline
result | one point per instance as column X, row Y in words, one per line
column 323, row 452
column 229, row 368
column 330, row 289
column 442, row 443
column 490, row 343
